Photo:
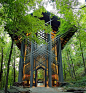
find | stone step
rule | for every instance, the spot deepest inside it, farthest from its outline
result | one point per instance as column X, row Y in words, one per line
column 12, row 91
column 20, row 89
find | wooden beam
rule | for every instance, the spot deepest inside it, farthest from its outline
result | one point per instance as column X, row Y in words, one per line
column 21, row 62
column 59, row 57
column 49, row 61
column 31, row 62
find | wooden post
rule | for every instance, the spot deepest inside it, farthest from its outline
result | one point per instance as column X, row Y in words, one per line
column 21, row 62
column 45, row 69
column 35, row 66
column 45, row 78
column 35, row 75
column 49, row 60
column 35, row 72
column 59, row 57
column 31, row 62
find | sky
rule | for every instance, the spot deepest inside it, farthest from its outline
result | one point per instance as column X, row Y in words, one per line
column 82, row 1
column 51, row 7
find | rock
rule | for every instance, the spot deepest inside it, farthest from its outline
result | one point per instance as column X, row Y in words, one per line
column 61, row 84
column 18, row 84
column 59, row 89
column 12, row 91
column 77, row 90
column 2, row 91
column 20, row 89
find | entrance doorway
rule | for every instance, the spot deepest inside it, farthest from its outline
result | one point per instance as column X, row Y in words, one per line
column 40, row 77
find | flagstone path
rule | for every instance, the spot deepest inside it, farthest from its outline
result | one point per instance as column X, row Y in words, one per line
column 41, row 89
column 45, row 90
column 36, row 90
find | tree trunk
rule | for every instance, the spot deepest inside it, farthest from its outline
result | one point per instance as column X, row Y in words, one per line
column 64, row 72
column 4, row 72
column 14, row 63
column 82, row 56
column 1, row 72
column 69, row 65
column 73, row 66
column 8, row 66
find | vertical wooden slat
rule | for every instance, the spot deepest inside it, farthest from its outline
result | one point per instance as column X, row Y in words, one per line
column 31, row 62
column 49, row 61
column 59, row 57
column 21, row 62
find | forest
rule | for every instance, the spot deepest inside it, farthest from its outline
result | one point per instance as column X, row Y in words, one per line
column 15, row 20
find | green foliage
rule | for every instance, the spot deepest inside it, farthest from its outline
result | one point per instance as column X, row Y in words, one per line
column 81, row 82
column 38, row 12
column 20, row 23
column 80, row 71
column 41, row 74
column 5, row 43
column 15, row 20
column 72, row 53
column 75, row 50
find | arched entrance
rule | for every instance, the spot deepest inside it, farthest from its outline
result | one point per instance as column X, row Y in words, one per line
column 40, row 78
column 46, row 57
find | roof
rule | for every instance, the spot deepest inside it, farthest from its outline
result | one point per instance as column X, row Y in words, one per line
column 55, row 23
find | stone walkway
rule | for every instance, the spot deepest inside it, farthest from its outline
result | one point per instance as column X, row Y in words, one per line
column 38, row 90
column 15, row 89
column 46, row 90
column 42, row 90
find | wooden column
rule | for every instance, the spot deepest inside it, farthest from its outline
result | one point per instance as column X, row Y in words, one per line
column 35, row 67
column 45, row 68
column 21, row 63
column 31, row 62
column 49, row 61
column 45, row 78
column 59, row 57
column 35, row 73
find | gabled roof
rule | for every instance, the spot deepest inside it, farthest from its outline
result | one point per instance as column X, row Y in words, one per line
column 55, row 23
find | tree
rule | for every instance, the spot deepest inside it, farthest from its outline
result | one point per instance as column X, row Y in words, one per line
column 14, row 63
column 2, row 52
column 18, row 23
column 74, row 75
column 8, row 66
